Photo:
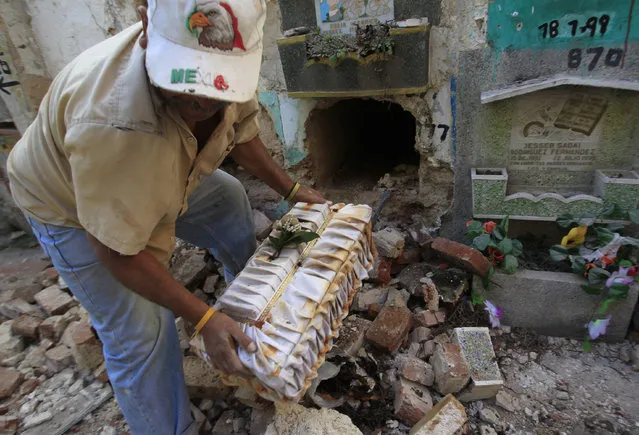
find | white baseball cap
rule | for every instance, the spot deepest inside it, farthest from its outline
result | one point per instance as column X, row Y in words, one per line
column 208, row 48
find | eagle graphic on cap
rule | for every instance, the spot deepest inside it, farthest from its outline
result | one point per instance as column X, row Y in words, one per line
column 217, row 24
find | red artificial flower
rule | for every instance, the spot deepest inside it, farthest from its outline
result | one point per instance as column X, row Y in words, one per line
column 220, row 83
column 489, row 227
column 495, row 255
column 468, row 223
column 607, row 261
column 588, row 267
column 633, row 271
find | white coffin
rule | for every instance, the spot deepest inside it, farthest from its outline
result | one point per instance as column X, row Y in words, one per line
column 292, row 306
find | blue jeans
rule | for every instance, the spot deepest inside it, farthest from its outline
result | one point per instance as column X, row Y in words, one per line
column 140, row 341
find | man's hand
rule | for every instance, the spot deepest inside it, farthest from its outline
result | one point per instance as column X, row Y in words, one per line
column 221, row 335
column 312, row 196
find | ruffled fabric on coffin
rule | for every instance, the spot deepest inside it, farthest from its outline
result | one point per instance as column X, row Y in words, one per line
column 294, row 336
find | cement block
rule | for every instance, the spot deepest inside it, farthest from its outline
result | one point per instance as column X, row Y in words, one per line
column 448, row 417
column 477, row 350
column 553, row 303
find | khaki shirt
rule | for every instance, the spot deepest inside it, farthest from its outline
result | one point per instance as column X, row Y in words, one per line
column 107, row 155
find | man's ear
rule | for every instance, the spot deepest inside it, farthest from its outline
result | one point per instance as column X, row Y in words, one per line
column 144, row 40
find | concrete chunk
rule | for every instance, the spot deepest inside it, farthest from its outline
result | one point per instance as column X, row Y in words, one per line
column 389, row 242
column 202, row 381
column 263, row 225
column 54, row 301
column 17, row 307
column 451, row 370
column 26, row 326
column 59, row 358
column 351, row 335
column 448, row 417
column 477, row 350
column 53, row 327
column 10, row 345
column 370, row 300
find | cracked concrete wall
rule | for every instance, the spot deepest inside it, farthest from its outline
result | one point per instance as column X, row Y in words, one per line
column 65, row 29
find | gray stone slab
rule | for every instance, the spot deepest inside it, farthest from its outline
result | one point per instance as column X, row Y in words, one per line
column 553, row 303
column 406, row 69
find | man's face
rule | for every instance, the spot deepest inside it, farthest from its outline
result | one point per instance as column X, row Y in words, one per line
column 193, row 108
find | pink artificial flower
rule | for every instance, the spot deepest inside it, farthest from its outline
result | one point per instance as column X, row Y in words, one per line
column 489, row 227
column 598, row 327
column 494, row 314
column 622, row 276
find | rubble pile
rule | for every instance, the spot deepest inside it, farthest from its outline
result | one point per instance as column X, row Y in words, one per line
column 411, row 357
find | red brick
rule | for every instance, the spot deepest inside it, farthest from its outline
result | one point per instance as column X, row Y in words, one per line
column 26, row 326
column 54, row 301
column 29, row 386
column 420, row 334
column 86, row 348
column 9, row 424
column 410, row 255
column 48, row 277
column 441, row 316
column 390, row 328
column 412, row 401
column 381, row 272
column 58, row 358
column 425, row 318
column 451, row 370
column 416, row 370
column 101, row 374
column 462, row 255
column 53, row 327
column 9, row 381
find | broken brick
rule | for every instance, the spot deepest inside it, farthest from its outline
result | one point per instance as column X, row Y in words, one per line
column 390, row 328
column 53, row 327
column 381, row 271
column 448, row 417
column 409, row 255
column 86, row 348
column 425, row 318
column 59, row 358
column 416, row 370
column 412, row 401
column 17, row 307
column 28, row 386
column 202, row 381
column 48, row 277
column 101, row 373
column 26, row 326
column 429, row 293
column 54, row 301
column 9, row 381
column 9, row 424
column 420, row 335
column 462, row 255
column 365, row 299
column 451, row 370
column 440, row 316
column 389, row 242
column 10, row 345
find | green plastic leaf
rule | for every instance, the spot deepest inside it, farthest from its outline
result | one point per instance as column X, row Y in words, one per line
column 477, row 299
column 616, row 227
column 276, row 241
column 565, row 220
column 578, row 264
column 634, row 216
column 506, row 246
column 518, row 248
column 499, row 233
column 609, row 211
column 559, row 253
column 625, row 263
column 631, row 241
column 510, row 264
column 591, row 290
column 475, row 226
column 587, row 345
column 587, row 219
column 302, row 237
column 504, row 224
column 597, row 275
column 604, row 306
column 481, row 242
column 604, row 235
column 618, row 290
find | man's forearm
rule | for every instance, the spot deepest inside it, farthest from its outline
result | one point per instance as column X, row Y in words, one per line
column 254, row 157
column 144, row 274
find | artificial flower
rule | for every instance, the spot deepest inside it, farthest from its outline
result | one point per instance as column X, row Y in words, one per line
column 607, row 260
column 598, row 327
column 494, row 314
column 588, row 267
column 575, row 237
column 620, row 277
column 468, row 223
column 633, row 271
column 489, row 227
column 495, row 255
